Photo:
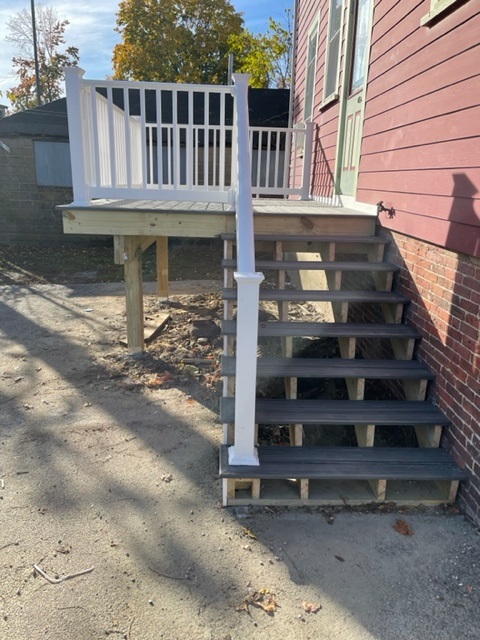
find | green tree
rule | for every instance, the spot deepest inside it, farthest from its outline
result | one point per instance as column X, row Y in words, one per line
column 175, row 40
column 52, row 56
column 266, row 56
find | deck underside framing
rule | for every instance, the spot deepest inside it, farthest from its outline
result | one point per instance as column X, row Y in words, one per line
column 135, row 225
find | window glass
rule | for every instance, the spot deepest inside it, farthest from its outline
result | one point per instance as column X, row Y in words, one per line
column 311, row 71
column 360, row 50
column 333, row 48
column 52, row 164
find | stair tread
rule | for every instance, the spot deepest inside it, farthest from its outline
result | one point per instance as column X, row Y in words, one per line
column 317, row 265
column 328, row 329
column 339, row 412
column 313, row 238
column 334, row 368
column 295, row 295
column 342, row 463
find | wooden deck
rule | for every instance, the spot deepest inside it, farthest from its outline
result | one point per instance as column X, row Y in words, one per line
column 209, row 219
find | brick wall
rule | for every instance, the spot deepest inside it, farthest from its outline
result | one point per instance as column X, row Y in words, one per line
column 27, row 211
column 444, row 288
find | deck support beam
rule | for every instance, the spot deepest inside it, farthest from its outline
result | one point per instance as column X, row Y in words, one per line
column 162, row 267
column 134, row 293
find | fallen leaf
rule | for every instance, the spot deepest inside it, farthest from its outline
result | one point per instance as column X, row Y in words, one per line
column 249, row 533
column 403, row 527
column 159, row 380
column 311, row 607
column 262, row 599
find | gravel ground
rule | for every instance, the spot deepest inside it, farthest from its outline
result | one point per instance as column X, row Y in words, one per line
column 100, row 470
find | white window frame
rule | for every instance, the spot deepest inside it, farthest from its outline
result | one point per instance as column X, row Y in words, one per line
column 311, row 69
column 333, row 95
column 436, row 8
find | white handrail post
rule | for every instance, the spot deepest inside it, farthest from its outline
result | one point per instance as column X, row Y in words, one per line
column 76, row 133
column 307, row 161
column 243, row 451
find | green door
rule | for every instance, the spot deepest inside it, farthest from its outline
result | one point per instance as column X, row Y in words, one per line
column 351, row 124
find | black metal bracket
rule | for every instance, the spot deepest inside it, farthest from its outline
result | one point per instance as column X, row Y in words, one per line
column 381, row 208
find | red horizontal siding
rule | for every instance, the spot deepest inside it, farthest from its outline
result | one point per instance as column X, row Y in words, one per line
column 458, row 237
column 452, row 126
column 441, row 155
column 427, row 182
column 411, row 40
column 444, row 74
column 422, row 124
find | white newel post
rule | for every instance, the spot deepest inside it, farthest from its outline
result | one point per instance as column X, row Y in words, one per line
column 243, row 451
column 76, row 133
column 307, row 161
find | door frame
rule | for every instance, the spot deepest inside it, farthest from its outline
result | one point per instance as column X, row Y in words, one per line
column 346, row 69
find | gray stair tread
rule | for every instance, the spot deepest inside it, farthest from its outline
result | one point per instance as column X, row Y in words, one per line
column 339, row 412
column 328, row 329
column 334, row 368
column 313, row 238
column 343, row 463
column 295, row 295
column 317, row 265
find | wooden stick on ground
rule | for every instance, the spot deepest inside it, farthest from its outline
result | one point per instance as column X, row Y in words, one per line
column 42, row 573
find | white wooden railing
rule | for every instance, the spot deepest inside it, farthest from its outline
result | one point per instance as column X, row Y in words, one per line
column 154, row 141
column 137, row 140
column 142, row 140
column 248, row 282
column 281, row 160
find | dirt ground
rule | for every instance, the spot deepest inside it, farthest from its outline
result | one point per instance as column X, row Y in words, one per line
column 108, row 468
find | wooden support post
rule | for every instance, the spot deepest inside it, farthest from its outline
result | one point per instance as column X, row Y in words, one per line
column 119, row 249
column 134, row 293
column 428, row 435
column 347, row 347
column 228, row 491
column 304, row 488
column 379, row 488
column 365, row 434
column 449, row 489
column 162, row 267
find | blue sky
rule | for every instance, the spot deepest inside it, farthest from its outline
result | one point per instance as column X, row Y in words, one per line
column 92, row 25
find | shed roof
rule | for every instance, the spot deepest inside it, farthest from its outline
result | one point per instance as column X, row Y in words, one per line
column 268, row 107
column 49, row 120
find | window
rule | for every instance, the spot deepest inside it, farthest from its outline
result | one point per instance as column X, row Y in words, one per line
column 311, row 70
column 330, row 88
column 52, row 164
column 437, row 7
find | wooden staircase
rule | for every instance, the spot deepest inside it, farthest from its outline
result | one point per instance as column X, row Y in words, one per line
column 373, row 345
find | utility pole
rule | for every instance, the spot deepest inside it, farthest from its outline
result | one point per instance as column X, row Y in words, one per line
column 35, row 55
